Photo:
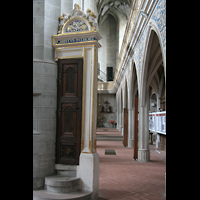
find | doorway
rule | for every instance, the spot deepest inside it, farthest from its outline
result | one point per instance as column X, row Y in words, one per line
column 69, row 111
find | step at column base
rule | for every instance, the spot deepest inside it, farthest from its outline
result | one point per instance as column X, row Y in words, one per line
column 45, row 195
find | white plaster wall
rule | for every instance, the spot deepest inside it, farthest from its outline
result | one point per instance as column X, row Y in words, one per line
column 109, row 42
column 66, row 6
column 85, row 4
column 122, row 27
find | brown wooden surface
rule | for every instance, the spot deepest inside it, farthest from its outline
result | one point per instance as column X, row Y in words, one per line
column 69, row 111
column 125, row 127
column 135, row 145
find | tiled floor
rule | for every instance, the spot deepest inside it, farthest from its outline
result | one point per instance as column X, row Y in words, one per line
column 108, row 131
column 123, row 178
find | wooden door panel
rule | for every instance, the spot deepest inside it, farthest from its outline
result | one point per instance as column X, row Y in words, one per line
column 70, row 80
column 135, row 156
column 68, row 153
column 125, row 142
column 69, row 111
column 69, row 119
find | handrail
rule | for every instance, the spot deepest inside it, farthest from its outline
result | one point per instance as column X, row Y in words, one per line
column 103, row 76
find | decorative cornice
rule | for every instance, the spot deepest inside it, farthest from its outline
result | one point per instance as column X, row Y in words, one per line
column 75, row 30
column 76, row 39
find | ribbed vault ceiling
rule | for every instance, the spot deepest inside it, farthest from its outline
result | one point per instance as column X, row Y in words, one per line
column 113, row 7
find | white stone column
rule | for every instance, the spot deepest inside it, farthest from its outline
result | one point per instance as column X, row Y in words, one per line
column 117, row 100
column 143, row 136
column 119, row 114
column 88, row 169
column 130, row 127
column 122, row 112
column 130, row 110
column 143, row 132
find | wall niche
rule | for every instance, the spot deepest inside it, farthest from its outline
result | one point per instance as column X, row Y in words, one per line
column 106, row 110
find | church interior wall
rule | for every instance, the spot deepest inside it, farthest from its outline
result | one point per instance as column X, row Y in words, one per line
column 109, row 42
column 38, row 30
column 112, row 23
column 45, row 24
column 109, row 116
column 84, row 4
column 44, row 120
column 66, row 6
column 157, row 24
column 138, row 54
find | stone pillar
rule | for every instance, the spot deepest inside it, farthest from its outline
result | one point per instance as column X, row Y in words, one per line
column 130, row 127
column 119, row 112
column 88, row 169
column 45, row 22
column 117, row 100
column 122, row 112
column 67, row 6
column 143, row 136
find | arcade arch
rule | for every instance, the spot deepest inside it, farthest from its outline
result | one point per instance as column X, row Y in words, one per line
column 152, row 79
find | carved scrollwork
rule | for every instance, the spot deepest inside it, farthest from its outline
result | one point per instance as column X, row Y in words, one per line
column 77, row 25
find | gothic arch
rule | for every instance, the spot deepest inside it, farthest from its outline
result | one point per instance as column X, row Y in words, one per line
column 132, row 93
column 104, row 18
column 153, row 25
column 151, row 75
column 114, row 8
column 150, row 67
column 133, row 82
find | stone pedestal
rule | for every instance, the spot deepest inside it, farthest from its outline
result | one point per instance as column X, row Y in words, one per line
column 130, row 143
column 143, row 155
column 143, row 142
column 88, row 171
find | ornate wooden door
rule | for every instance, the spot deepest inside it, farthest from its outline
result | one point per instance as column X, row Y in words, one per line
column 125, row 142
column 135, row 156
column 69, row 111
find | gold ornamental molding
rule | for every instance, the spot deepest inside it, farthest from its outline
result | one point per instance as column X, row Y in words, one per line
column 76, row 30
column 78, row 38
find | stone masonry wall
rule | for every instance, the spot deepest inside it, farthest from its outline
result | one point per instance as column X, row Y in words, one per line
column 45, row 23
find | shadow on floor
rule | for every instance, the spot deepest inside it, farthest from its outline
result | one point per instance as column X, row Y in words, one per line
column 102, row 198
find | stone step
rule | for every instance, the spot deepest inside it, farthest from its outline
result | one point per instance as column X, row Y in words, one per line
column 62, row 184
column 109, row 137
column 71, row 173
column 66, row 170
column 65, row 167
column 45, row 195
